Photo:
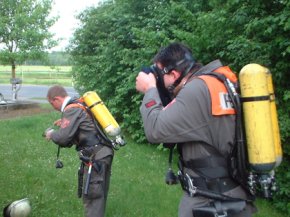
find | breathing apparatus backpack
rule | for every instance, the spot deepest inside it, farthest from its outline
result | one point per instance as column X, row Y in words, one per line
column 104, row 122
column 257, row 150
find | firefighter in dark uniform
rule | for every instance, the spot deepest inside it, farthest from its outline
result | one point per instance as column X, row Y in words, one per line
column 76, row 127
column 200, row 120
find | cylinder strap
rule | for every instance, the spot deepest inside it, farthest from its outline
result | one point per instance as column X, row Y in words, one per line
column 255, row 98
column 94, row 104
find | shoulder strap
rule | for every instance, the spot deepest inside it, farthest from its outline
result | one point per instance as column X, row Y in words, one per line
column 220, row 102
column 75, row 105
column 227, row 72
column 238, row 161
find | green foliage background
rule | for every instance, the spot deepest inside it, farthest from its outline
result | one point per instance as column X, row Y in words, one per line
column 24, row 30
column 120, row 36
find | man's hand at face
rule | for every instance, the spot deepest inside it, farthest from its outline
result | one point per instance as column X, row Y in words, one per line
column 145, row 81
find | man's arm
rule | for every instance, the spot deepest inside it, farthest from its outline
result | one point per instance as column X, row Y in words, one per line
column 182, row 120
column 68, row 127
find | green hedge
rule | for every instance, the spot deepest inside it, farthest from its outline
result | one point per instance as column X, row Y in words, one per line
column 120, row 36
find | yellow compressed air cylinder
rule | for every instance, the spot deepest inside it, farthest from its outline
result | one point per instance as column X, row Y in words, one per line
column 275, row 124
column 257, row 117
column 101, row 113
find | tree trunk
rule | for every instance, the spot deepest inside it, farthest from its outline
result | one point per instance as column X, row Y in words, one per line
column 13, row 67
column 13, row 83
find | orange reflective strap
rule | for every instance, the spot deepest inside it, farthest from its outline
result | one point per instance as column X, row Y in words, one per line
column 76, row 105
column 220, row 101
column 226, row 71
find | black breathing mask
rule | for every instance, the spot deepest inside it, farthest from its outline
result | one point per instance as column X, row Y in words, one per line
column 162, row 90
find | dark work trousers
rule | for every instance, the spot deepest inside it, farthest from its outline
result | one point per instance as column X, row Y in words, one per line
column 95, row 201
column 187, row 203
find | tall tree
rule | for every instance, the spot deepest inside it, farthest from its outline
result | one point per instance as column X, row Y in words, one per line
column 24, row 31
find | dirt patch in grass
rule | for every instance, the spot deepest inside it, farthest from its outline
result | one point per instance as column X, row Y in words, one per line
column 9, row 113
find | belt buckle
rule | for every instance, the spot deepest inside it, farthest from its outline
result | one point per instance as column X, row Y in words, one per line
column 191, row 188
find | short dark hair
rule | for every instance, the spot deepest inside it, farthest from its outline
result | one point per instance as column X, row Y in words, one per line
column 56, row 90
column 173, row 54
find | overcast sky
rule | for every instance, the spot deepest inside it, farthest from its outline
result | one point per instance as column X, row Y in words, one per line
column 66, row 10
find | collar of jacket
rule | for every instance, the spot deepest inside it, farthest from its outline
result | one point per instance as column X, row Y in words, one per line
column 65, row 102
column 209, row 67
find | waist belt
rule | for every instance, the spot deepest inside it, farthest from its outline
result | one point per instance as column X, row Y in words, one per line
column 188, row 185
column 87, row 153
column 208, row 167
column 218, row 185
column 213, row 174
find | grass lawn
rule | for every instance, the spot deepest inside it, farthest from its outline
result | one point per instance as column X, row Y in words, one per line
column 137, row 184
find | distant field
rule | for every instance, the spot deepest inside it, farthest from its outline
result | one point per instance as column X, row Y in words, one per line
column 42, row 75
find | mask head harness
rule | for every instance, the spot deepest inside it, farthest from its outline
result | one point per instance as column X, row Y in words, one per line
column 184, row 66
column 176, row 57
